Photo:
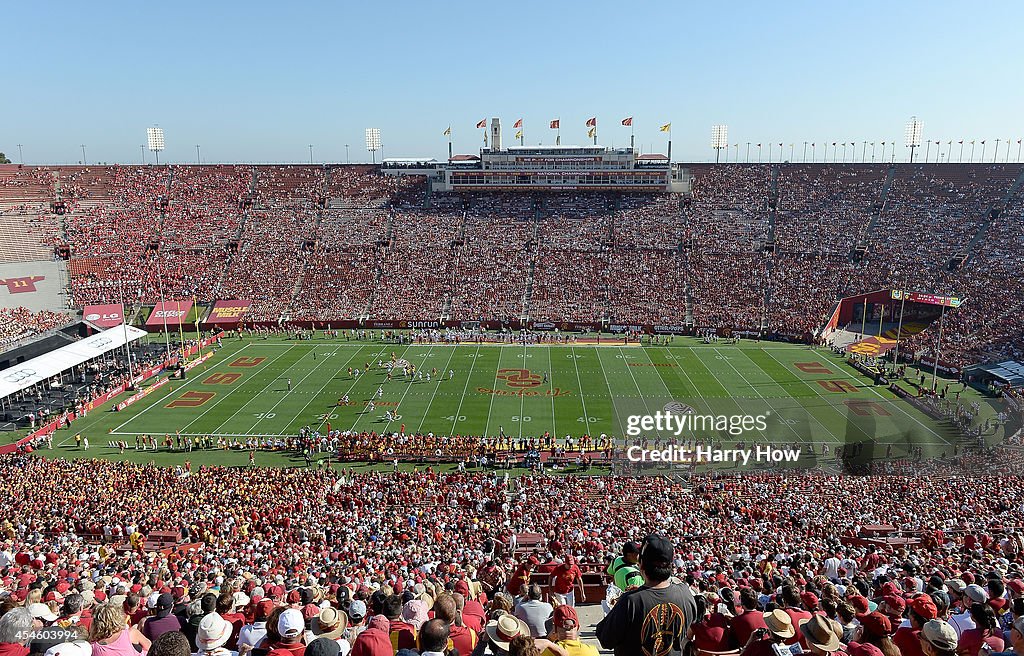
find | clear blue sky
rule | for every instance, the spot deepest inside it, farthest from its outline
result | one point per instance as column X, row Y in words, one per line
column 258, row 81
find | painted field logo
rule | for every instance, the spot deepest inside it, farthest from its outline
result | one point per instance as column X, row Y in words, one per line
column 519, row 378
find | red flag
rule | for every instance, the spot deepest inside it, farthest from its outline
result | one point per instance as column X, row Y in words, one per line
column 627, row 121
column 482, row 124
column 518, row 124
column 555, row 124
column 592, row 122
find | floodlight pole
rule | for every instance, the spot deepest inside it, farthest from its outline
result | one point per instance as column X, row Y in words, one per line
column 199, row 159
column 83, row 155
column 310, row 153
column 21, row 158
column 346, row 155
column 805, row 152
column 142, row 147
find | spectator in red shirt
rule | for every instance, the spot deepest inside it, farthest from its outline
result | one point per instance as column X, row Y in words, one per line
column 711, row 632
column 565, row 579
column 473, row 614
column 403, row 634
column 871, row 637
column 986, row 632
column 791, row 598
column 908, row 638
column 749, row 618
column 461, row 637
column 521, row 577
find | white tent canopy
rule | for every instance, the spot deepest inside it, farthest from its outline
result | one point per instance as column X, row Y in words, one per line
column 44, row 367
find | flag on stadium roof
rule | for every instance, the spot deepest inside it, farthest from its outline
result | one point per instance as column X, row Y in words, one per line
column 628, row 121
column 519, row 134
column 591, row 132
column 592, row 122
column 482, row 124
column 448, row 132
column 555, row 123
column 667, row 127
column 518, row 124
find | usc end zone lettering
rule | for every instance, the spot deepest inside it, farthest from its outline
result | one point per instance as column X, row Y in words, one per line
column 222, row 379
column 247, row 362
column 191, row 399
column 866, row 408
column 812, row 367
column 840, row 386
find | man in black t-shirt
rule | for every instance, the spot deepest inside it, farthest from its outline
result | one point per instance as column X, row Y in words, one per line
column 651, row 620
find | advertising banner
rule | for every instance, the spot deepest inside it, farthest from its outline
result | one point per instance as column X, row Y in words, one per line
column 228, row 313
column 104, row 316
column 171, row 313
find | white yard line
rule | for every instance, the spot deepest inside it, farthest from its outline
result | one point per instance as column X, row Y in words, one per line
column 287, row 394
column 329, row 379
column 430, row 350
column 153, row 404
column 769, row 404
column 583, row 397
column 551, row 388
column 440, row 379
column 465, row 389
column 893, row 402
column 216, row 431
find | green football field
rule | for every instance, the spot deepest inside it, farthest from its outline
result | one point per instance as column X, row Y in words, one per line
column 806, row 396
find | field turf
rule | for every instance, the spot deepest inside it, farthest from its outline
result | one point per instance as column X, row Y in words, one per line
column 808, row 396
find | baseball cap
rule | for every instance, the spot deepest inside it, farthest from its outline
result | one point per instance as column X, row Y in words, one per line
column 164, row 604
column 357, row 610
column 976, row 593
column 291, row 623
column 42, row 612
column 940, row 634
column 565, row 617
column 956, row 585
column 894, row 604
column 924, row 606
column 876, row 624
column 656, row 549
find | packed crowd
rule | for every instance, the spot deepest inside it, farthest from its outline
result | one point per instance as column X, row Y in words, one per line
column 753, row 246
column 18, row 323
column 296, row 554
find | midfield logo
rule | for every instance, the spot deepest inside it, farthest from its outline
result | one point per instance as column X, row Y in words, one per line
column 519, row 378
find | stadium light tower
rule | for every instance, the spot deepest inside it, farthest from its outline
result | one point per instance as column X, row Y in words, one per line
column 719, row 139
column 155, row 137
column 912, row 137
column 373, row 142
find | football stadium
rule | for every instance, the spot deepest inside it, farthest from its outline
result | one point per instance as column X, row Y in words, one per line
column 574, row 382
